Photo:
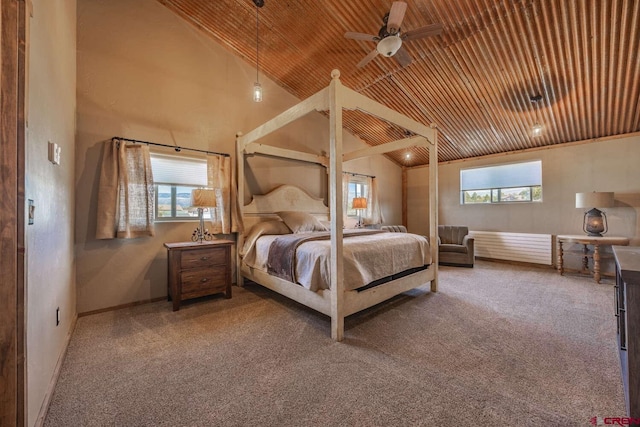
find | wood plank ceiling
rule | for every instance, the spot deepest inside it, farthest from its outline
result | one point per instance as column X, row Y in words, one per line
column 474, row 80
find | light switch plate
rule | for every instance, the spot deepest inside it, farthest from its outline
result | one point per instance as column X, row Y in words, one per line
column 55, row 152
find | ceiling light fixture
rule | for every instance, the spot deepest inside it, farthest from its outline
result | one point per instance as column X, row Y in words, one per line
column 389, row 45
column 257, row 87
column 536, row 129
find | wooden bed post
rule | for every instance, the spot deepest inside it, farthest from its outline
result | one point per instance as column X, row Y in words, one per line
column 405, row 211
column 433, row 205
column 335, row 206
column 240, row 195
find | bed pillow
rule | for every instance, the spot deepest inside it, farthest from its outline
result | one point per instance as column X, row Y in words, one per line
column 300, row 222
column 326, row 224
column 266, row 227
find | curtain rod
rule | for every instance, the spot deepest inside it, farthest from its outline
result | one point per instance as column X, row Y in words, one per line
column 358, row 174
column 169, row 146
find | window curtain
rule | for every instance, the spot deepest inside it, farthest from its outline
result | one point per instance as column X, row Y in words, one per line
column 373, row 214
column 225, row 217
column 125, row 194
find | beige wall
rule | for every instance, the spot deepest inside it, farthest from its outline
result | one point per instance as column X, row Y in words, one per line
column 608, row 165
column 144, row 73
column 50, row 268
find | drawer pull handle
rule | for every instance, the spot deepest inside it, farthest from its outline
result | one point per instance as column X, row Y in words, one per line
column 203, row 280
column 204, row 258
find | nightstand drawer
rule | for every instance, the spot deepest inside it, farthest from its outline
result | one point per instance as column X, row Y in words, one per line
column 203, row 257
column 203, row 281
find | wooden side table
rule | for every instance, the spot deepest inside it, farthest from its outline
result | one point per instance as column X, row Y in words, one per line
column 586, row 241
column 197, row 269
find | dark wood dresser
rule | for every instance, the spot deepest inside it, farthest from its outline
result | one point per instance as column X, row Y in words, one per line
column 197, row 269
column 627, row 300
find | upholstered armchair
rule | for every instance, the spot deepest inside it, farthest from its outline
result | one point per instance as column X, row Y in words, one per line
column 455, row 246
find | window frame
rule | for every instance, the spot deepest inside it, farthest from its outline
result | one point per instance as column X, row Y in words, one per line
column 173, row 189
column 495, row 192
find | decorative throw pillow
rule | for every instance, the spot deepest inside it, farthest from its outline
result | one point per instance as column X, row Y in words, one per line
column 300, row 222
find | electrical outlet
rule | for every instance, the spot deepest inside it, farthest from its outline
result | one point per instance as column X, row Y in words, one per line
column 57, row 316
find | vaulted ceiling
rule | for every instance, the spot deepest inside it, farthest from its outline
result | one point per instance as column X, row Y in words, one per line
column 474, row 81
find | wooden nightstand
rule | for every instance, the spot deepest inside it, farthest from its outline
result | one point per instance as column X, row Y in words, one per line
column 197, row 269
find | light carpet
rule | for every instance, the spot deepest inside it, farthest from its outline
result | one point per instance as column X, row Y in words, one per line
column 498, row 345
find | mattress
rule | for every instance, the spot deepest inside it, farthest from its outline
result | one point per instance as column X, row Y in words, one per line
column 367, row 258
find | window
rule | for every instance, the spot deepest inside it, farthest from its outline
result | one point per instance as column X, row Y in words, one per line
column 356, row 188
column 510, row 183
column 174, row 177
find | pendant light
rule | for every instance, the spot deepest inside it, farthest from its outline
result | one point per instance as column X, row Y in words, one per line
column 257, row 87
column 536, row 129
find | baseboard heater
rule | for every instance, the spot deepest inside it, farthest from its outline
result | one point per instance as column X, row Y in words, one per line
column 521, row 247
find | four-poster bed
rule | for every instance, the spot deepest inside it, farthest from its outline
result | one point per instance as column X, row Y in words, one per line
column 338, row 301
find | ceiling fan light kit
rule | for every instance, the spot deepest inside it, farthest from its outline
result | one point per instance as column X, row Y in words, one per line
column 389, row 45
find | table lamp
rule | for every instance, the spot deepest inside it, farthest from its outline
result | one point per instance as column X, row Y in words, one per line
column 595, row 221
column 202, row 198
column 359, row 203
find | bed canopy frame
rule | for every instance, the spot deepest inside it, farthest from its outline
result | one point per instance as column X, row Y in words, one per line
column 336, row 302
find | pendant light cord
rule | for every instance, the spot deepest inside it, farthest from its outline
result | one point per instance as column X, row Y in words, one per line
column 257, row 42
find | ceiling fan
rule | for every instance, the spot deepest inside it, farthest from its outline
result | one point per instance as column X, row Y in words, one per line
column 389, row 39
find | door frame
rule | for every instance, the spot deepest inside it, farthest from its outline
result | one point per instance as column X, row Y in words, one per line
column 12, row 179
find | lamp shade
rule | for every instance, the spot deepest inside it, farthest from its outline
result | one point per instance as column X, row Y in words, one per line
column 594, row 200
column 359, row 203
column 203, row 198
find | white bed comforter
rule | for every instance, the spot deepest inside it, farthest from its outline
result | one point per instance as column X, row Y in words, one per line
column 366, row 258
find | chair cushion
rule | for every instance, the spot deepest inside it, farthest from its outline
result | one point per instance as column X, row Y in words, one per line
column 452, row 234
column 448, row 247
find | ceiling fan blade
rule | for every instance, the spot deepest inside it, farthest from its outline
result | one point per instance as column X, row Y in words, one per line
column 422, row 32
column 396, row 15
column 360, row 36
column 368, row 58
column 403, row 57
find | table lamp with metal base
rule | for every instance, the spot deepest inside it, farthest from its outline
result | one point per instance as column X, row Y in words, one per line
column 202, row 199
column 359, row 203
column 594, row 221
